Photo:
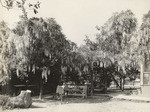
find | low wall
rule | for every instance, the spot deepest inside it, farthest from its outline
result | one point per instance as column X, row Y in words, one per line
column 145, row 90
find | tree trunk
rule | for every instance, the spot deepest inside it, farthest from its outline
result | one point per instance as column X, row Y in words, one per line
column 105, row 80
column 122, row 83
column 40, row 82
column 115, row 81
column 23, row 100
column 142, row 68
column 41, row 89
column 92, row 88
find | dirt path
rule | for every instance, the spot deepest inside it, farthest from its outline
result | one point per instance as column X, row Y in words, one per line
column 97, row 103
column 110, row 106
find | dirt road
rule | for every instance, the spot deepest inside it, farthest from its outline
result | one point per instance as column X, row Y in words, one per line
column 110, row 106
column 97, row 103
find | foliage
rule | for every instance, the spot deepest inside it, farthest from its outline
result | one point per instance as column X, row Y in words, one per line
column 144, row 40
column 115, row 37
column 7, row 52
column 111, row 52
column 39, row 44
column 21, row 4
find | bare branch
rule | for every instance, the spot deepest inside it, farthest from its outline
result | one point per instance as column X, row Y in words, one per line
column 4, row 5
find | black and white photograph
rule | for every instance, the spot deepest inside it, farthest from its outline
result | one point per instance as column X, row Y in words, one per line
column 74, row 55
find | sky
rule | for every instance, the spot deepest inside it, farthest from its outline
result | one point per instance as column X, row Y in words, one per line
column 78, row 18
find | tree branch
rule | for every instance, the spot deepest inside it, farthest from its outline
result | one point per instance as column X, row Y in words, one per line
column 4, row 5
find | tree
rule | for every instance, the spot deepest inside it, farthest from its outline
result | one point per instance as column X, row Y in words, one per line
column 11, row 4
column 113, row 42
column 4, row 34
column 43, row 44
column 144, row 45
column 7, row 55
column 39, row 43
column 21, row 4
column 88, row 51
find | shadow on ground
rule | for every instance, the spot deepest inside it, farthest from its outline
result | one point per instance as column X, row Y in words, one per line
column 127, row 91
column 90, row 99
column 76, row 99
column 98, row 97
column 33, row 106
